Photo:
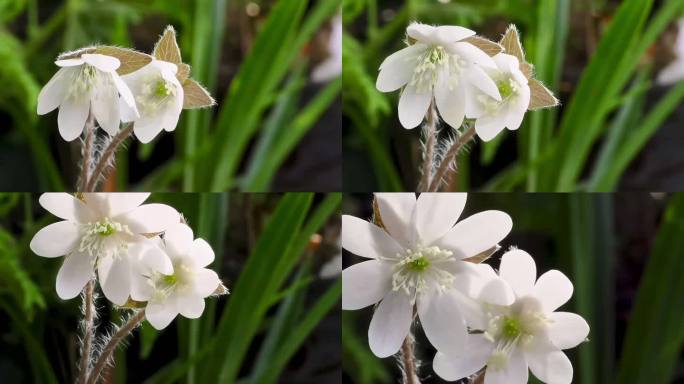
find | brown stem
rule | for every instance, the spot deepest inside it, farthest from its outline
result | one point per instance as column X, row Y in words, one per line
column 429, row 131
column 87, row 332
column 449, row 157
column 109, row 349
column 87, row 151
column 107, row 155
column 478, row 379
column 408, row 360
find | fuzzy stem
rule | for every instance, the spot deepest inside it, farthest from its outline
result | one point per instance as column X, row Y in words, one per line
column 87, row 151
column 429, row 131
column 107, row 156
column 478, row 378
column 407, row 360
column 449, row 157
column 88, row 332
column 109, row 349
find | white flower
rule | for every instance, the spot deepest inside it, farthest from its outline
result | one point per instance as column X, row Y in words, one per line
column 674, row 72
column 172, row 277
column 493, row 115
column 418, row 258
column 84, row 83
column 528, row 333
column 96, row 233
column 437, row 66
column 331, row 67
column 159, row 96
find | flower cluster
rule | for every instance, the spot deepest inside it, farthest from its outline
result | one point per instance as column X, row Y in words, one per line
column 421, row 257
column 115, row 85
column 463, row 76
column 138, row 253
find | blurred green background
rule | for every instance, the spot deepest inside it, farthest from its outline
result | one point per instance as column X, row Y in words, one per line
column 615, row 129
column 274, row 128
column 623, row 253
column 280, row 323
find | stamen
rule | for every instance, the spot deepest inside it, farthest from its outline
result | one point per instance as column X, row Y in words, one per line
column 98, row 239
column 420, row 267
column 433, row 61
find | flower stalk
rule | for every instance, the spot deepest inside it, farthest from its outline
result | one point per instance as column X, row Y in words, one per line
column 108, row 156
column 450, row 157
column 429, row 137
column 88, row 331
column 87, row 151
column 407, row 360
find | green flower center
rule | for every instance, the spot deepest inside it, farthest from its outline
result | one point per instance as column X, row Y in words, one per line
column 162, row 89
column 106, row 228
column 511, row 328
column 170, row 279
column 505, row 89
column 419, row 265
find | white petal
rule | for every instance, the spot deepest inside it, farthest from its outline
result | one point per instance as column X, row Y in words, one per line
column 190, row 306
column 146, row 259
column 453, row 368
column 76, row 271
column 206, row 282
column 160, row 315
column 413, row 106
column 549, row 364
column 52, row 94
column 452, row 33
column 497, row 292
column 514, row 373
column 172, row 115
column 396, row 212
column 56, row 239
column 450, row 101
column 472, row 54
column 483, row 82
column 567, row 330
column 147, row 128
column 201, row 253
column 367, row 240
column 397, row 69
column 114, row 275
column 472, row 311
column 436, row 214
column 487, row 127
column 69, row 62
column 102, row 62
column 422, row 32
column 123, row 202
column 390, row 324
column 65, row 206
column 477, row 233
column 178, row 240
column 553, row 289
column 105, row 106
column 519, row 270
column 442, row 322
column 365, row 283
column 471, row 278
column 72, row 117
column 506, row 62
column 150, row 218
column 125, row 92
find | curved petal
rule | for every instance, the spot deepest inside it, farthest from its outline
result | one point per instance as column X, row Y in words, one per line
column 422, row 32
column 472, row 54
column 125, row 92
column 472, row 311
column 147, row 128
column 452, row 33
column 515, row 371
column 65, row 206
column 114, row 275
column 201, row 253
column 160, row 315
column 102, row 62
column 487, row 127
column 506, row 62
column 76, row 271
column 171, row 116
column 451, row 368
column 390, row 324
column 567, row 330
column 436, row 214
column 477, row 233
column 482, row 81
column 150, row 218
column 190, row 306
column 553, row 289
column 396, row 213
column 443, row 322
column 517, row 110
column 450, row 101
column 52, row 94
column 367, row 240
column 413, row 106
column 72, row 117
column 365, row 283
column 178, row 239
column 57, row 239
column 549, row 364
column 69, row 62
column 519, row 270
column 397, row 69
column 123, row 202
column 105, row 105
column 497, row 292
column 206, row 282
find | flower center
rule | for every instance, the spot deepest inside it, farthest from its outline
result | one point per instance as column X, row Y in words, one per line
column 165, row 285
column 84, row 81
column 419, row 269
column 432, row 62
column 155, row 93
column 99, row 239
column 507, row 88
column 510, row 328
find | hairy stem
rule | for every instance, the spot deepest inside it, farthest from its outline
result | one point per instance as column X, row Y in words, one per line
column 109, row 349
column 87, row 152
column 429, row 133
column 88, row 331
column 107, row 156
column 408, row 360
column 478, row 378
column 449, row 157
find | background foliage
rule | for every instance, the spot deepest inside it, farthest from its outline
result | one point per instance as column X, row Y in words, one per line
column 623, row 254
column 254, row 57
column 611, row 131
column 281, row 322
